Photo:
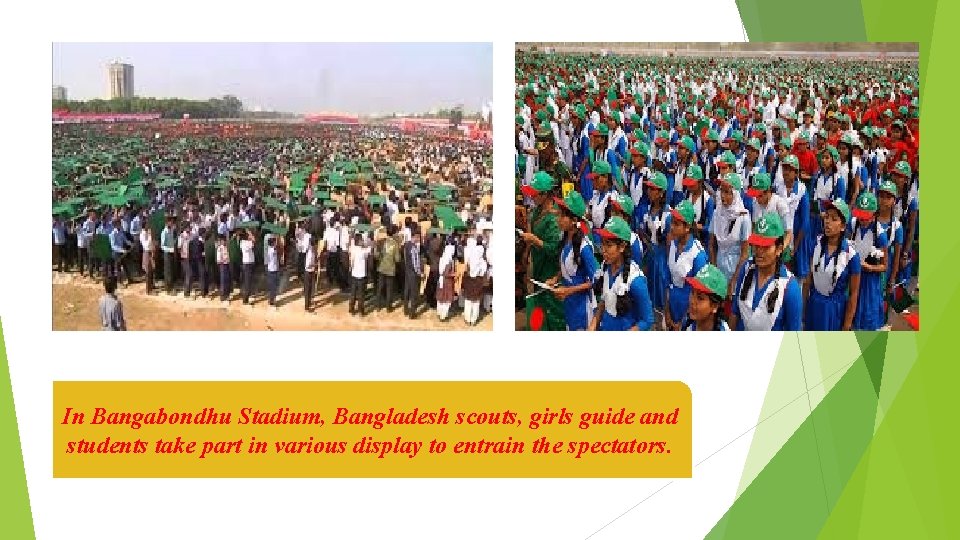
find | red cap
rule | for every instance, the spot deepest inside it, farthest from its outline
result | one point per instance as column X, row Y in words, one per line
column 606, row 234
column 690, row 182
column 762, row 241
column 677, row 215
column 754, row 192
column 528, row 191
column 862, row 215
column 698, row 286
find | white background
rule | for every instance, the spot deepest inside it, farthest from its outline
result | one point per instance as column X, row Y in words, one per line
column 728, row 374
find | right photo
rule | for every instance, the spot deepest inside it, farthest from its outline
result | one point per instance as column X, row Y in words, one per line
column 717, row 186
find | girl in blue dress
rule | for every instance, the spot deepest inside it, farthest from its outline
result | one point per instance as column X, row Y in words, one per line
column 622, row 205
column 685, row 257
column 654, row 219
column 578, row 265
column 767, row 296
column 871, row 244
column 794, row 192
column 889, row 225
column 826, row 186
column 624, row 298
column 833, row 285
column 708, row 294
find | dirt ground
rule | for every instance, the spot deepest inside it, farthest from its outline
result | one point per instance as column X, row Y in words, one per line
column 75, row 302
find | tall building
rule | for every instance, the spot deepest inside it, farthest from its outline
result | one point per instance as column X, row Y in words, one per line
column 59, row 93
column 121, row 80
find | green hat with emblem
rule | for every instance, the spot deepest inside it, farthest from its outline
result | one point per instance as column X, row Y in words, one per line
column 657, row 180
column 865, row 206
column 624, row 203
column 573, row 203
column 766, row 230
column 841, row 206
column 709, row 279
column 761, row 182
column 889, row 187
column 684, row 212
column 616, row 229
column 832, row 150
column 754, row 143
column 902, row 167
column 733, row 180
column 542, row 183
column 600, row 167
column 687, row 142
column 792, row 162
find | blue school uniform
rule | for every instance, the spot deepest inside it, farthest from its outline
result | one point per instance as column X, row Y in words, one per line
column 636, row 249
column 866, row 240
column 825, row 187
column 692, row 325
column 704, row 208
column 798, row 200
column 830, row 274
column 656, row 227
column 683, row 262
column 905, row 274
column 641, row 312
column 578, row 307
column 634, row 180
column 775, row 305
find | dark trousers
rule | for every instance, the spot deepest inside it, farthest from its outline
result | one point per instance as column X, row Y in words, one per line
column 273, row 284
column 199, row 271
column 431, row 291
column 83, row 258
column 212, row 272
column 309, row 278
column 386, row 286
column 358, row 286
column 225, row 285
column 120, row 267
column 61, row 256
column 247, row 281
column 149, row 279
column 411, row 295
column 187, row 277
column 301, row 264
column 344, row 268
column 333, row 260
column 169, row 260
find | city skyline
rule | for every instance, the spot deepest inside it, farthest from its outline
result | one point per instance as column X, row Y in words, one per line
column 359, row 78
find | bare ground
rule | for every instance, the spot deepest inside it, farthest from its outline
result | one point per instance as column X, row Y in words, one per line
column 75, row 301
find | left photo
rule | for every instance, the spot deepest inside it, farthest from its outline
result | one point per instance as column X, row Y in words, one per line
column 272, row 186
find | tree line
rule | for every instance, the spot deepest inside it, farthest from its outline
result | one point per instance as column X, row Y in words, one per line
column 223, row 107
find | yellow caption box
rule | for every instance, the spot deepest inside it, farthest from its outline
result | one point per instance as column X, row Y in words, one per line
column 371, row 429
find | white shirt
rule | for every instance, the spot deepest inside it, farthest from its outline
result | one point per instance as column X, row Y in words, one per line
column 246, row 250
column 145, row 240
column 358, row 261
column 331, row 237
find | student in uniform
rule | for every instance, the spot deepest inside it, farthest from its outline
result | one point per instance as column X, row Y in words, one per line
column 890, row 226
column 622, row 205
column 686, row 157
column 446, row 275
column 685, row 257
column 654, row 218
column 708, row 294
column 60, row 242
column 474, row 279
column 84, row 235
column 197, row 267
column 906, row 211
column 603, row 192
column 625, row 301
column 309, row 276
column 794, row 193
column 359, row 253
column 331, row 242
column 578, row 264
column 871, row 244
column 413, row 274
column 767, row 296
column 148, row 249
column 110, row 307
column 223, row 262
column 701, row 201
column 637, row 174
column 168, row 243
column 730, row 229
column 119, row 249
column 271, row 263
column 762, row 200
column 543, row 236
column 247, row 258
column 833, row 286
column 827, row 186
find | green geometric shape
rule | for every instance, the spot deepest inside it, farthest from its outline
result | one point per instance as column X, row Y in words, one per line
column 766, row 20
column 873, row 356
column 793, row 495
column 902, row 351
column 15, row 513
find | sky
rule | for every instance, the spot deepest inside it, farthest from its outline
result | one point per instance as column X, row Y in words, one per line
column 360, row 78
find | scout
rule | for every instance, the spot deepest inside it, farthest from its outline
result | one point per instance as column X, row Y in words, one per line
column 578, row 265
column 708, row 294
column 624, row 300
column 685, row 257
column 833, row 286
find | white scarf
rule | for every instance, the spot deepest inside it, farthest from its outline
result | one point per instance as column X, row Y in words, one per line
column 445, row 261
column 473, row 253
column 724, row 215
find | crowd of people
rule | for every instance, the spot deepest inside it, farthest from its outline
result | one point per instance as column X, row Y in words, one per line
column 249, row 212
column 693, row 193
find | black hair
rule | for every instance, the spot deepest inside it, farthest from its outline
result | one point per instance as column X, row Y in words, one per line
column 718, row 318
column 110, row 284
column 823, row 251
column 748, row 280
column 624, row 301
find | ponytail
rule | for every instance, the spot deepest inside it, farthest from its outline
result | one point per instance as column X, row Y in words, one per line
column 577, row 243
column 625, row 301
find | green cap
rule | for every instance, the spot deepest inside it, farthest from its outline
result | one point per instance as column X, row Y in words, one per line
column 865, row 206
column 761, row 182
column 574, row 203
column 786, row 142
column 658, row 180
column 640, row 148
column 766, row 230
column 841, row 207
column 733, row 180
column 603, row 129
column 624, row 203
column 542, row 182
column 709, row 280
column 889, row 187
column 616, row 228
column 791, row 161
column 600, row 167
column 684, row 212
column 754, row 143
column 694, row 174
column 520, row 120
column 902, row 167
column 687, row 141
column 736, row 135
column 712, row 135
column 728, row 158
